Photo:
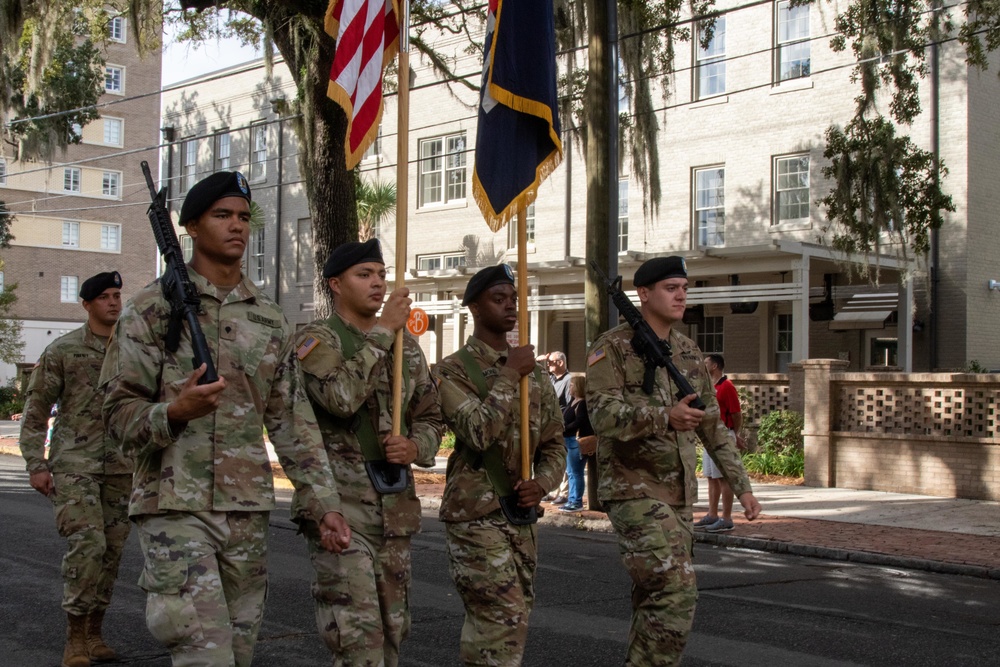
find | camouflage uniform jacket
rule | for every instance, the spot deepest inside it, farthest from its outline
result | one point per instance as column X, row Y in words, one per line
column 337, row 388
column 480, row 424
column 68, row 374
column 639, row 455
column 217, row 462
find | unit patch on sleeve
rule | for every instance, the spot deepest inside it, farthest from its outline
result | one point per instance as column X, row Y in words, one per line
column 308, row 346
column 595, row 356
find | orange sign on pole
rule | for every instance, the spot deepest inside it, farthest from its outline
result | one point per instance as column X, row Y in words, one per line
column 417, row 323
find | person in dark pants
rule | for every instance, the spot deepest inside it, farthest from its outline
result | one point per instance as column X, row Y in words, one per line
column 576, row 424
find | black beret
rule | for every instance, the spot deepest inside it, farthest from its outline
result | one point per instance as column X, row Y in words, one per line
column 209, row 190
column 94, row 286
column 348, row 254
column 485, row 279
column 659, row 268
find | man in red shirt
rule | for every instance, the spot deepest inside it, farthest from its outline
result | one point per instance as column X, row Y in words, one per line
column 732, row 417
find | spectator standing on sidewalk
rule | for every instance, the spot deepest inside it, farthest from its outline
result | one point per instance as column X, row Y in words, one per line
column 576, row 424
column 560, row 376
column 732, row 417
column 87, row 477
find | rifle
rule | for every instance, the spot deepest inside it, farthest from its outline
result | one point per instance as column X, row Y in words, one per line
column 654, row 351
column 178, row 289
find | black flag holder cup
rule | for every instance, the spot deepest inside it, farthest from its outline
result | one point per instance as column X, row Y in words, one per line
column 518, row 516
column 387, row 477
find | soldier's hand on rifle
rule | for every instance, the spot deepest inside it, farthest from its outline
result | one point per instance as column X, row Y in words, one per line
column 195, row 400
column 335, row 534
column 751, row 508
column 396, row 309
column 400, row 449
column 521, row 359
column 529, row 493
column 683, row 417
column 41, row 481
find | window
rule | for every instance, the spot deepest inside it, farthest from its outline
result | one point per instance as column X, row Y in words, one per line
column 187, row 246
column 257, row 255
column 110, row 239
column 374, row 152
column 792, row 188
column 258, row 151
column 71, row 179
column 709, row 336
column 110, row 184
column 116, row 29
column 710, row 206
column 884, row 352
column 71, row 234
column 622, row 216
column 711, row 60
column 190, row 165
column 3, row 171
column 793, row 41
column 69, row 289
column 113, row 131
column 440, row 261
column 304, row 270
column 529, row 223
column 442, row 170
column 782, row 343
column 114, row 79
column 222, row 150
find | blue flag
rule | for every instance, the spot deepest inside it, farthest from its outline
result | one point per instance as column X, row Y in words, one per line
column 518, row 142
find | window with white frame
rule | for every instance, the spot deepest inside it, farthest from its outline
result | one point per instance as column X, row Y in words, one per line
column 187, row 246
column 189, row 167
column 69, row 289
column 710, row 335
column 258, row 150
column 222, row 150
column 791, row 189
column 113, row 131
column 442, row 170
column 71, row 179
column 622, row 215
column 110, row 184
column 792, row 37
column 256, row 264
column 71, row 234
column 374, row 152
column 711, row 60
column 782, row 343
column 111, row 238
column 439, row 261
column 3, row 171
column 529, row 224
column 114, row 79
column 116, row 29
column 710, row 206
column 304, row 271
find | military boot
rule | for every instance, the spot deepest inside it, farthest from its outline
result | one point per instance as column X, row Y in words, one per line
column 96, row 647
column 75, row 653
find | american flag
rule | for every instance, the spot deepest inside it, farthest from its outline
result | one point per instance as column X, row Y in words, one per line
column 367, row 34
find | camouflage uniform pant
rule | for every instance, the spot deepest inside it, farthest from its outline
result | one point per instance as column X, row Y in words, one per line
column 493, row 566
column 92, row 514
column 362, row 598
column 654, row 539
column 205, row 580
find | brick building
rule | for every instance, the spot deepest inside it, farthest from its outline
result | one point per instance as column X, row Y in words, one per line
column 84, row 212
column 741, row 156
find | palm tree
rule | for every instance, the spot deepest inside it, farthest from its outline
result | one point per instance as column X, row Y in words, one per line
column 376, row 204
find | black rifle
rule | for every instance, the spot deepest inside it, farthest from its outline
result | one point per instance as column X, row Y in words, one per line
column 178, row 289
column 654, row 351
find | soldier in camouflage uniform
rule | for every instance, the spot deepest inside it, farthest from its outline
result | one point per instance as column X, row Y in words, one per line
column 203, row 488
column 491, row 560
column 86, row 476
column 646, row 454
column 362, row 593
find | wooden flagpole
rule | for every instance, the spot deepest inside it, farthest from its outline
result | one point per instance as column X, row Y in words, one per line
column 402, row 200
column 522, row 337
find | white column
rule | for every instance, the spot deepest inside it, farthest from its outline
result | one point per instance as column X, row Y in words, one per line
column 800, row 310
column 904, row 328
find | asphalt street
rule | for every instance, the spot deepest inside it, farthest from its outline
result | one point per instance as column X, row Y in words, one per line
column 754, row 608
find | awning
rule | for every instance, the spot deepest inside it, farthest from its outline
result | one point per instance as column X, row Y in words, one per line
column 865, row 311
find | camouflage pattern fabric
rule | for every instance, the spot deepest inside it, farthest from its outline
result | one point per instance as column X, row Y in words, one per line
column 362, row 598
column 492, row 563
column 92, row 514
column 68, row 373
column 337, row 388
column 479, row 424
column 655, row 544
column 638, row 455
column 217, row 462
column 205, row 579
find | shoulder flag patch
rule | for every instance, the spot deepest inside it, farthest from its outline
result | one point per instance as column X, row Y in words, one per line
column 308, row 346
column 595, row 356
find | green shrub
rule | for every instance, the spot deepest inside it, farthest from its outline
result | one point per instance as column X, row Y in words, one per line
column 448, row 441
column 11, row 399
column 779, row 446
